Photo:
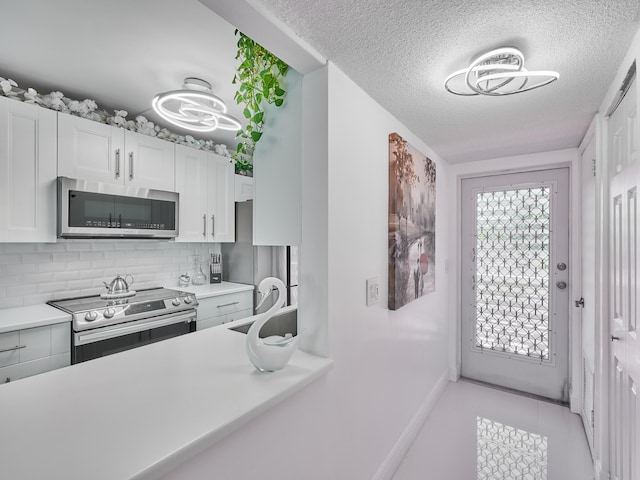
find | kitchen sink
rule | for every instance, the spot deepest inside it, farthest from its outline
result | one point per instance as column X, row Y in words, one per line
column 286, row 321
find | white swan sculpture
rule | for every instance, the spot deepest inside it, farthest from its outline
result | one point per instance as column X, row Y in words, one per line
column 272, row 353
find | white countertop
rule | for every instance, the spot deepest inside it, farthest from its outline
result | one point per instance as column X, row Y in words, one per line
column 214, row 289
column 139, row 413
column 32, row 316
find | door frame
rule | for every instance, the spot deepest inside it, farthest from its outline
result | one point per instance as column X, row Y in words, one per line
column 525, row 163
column 592, row 135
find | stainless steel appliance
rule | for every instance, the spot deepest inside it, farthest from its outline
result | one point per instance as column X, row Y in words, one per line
column 118, row 288
column 102, row 210
column 102, row 327
column 246, row 263
column 242, row 261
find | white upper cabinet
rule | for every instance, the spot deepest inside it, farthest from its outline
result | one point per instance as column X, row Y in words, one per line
column 191, row 184
column 222, row 205
column 93, row 151
column 244, row 188
column 277, row 215
column 90, row 150
column 27, row 172
column 149, row 161
column 205, row 182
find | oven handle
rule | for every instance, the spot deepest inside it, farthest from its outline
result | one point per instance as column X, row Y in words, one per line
column 133, row 327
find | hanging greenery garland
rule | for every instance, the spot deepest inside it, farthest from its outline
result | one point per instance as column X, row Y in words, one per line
column 259, row 77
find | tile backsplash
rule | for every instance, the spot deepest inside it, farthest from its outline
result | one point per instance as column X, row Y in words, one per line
column 35, row 273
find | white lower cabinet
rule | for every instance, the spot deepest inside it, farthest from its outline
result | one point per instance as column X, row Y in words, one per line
column 214, row 311
column 31, row 351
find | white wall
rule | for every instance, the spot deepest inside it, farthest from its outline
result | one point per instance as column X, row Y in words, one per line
column 391, row 359
column 32, row 273
column 387, row 364
column 313, row 254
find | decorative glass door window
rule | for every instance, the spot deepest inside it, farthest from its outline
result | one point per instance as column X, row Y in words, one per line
column 512, row 271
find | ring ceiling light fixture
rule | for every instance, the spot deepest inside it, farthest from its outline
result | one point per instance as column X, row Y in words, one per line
column 194, row 108
column 496, row 73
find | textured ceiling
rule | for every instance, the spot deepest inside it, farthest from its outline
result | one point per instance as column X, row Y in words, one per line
column 400, row 52
column 122, row 52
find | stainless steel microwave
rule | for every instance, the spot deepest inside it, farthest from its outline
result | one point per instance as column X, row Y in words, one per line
column 102, row 210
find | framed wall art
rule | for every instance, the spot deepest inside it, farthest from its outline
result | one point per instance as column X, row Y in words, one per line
column 412, row 223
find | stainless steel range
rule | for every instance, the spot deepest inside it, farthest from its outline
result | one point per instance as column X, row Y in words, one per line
column 102, row 327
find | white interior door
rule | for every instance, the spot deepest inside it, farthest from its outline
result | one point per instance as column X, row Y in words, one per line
column 588, row 282
column 624, row 174
column 515, row 271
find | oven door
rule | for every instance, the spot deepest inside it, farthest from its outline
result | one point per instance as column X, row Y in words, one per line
column 91, row 344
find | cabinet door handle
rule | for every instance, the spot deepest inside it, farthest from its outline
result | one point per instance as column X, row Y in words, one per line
column 130, row 165
column 228, row 304
column 17, row 347
column 204, row 225
column 117, row 163
column 213, row 226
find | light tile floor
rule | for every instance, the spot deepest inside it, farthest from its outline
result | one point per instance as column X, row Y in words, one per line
column 481, row 433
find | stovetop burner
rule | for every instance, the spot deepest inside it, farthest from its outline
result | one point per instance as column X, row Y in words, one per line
column 94, row 302
column 94, row 312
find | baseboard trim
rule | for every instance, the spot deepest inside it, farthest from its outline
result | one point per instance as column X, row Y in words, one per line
column 399, row 450
column 575, row 403
column 454, row 373
column 599, row 473
column 514, row 392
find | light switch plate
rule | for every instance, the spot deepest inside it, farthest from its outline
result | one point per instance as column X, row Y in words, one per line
column 373, row 291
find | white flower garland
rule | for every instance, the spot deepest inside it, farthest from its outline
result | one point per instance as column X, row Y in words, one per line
column 89, row 109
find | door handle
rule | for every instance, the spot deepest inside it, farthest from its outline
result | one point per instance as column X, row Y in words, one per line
column 117, row 163
column 130, row 165
column 614, row 338
column 227, row 304
column 561, row 285
column 204, row 225
column 213, row 226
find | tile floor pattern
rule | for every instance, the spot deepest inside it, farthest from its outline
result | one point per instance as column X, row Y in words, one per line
column 480, row 433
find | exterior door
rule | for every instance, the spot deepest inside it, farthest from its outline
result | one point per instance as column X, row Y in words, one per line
column 624, row 174
column 515, row 230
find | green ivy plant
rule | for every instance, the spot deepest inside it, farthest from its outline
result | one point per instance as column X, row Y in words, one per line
column 259, row 77
column 243, row 165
